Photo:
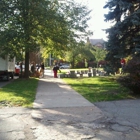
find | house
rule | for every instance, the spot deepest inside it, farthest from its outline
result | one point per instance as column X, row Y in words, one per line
column 97, row 42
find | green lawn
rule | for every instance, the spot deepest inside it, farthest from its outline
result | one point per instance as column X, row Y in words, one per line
column 96, row 89
column 20, row 92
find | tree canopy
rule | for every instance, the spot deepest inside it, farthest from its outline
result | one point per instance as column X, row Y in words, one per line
column 124, row 35
column 27, row 25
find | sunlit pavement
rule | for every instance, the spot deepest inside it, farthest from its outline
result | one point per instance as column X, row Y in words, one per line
column 48, row 72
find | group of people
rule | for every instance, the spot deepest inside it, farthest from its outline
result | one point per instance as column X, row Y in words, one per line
column 41, row 68
column 38, row 67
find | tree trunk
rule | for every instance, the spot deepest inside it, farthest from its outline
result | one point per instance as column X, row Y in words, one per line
column 73, row 61
column 26, row 74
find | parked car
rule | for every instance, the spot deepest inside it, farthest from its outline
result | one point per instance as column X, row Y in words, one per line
column 17, row 69
column 65, row 66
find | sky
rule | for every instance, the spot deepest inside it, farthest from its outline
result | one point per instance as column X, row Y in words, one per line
column 97, row 22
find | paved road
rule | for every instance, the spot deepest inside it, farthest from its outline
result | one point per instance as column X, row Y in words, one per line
column 60, row 113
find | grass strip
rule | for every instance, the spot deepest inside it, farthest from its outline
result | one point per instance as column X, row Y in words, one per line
column 96, row 89
column 20, row 92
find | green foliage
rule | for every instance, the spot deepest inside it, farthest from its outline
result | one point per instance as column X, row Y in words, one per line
column 67, row 31
column 79, row 52
column 27, row 25
column 124, row 36
column 124, row 39
column 109, row 69
column 99, row 53
column 97, row 89
column 132, row 80
column 20, row 92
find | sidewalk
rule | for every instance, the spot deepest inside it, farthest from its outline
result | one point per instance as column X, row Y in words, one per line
column 60, row 113
column 66, row 114
column 53, row 92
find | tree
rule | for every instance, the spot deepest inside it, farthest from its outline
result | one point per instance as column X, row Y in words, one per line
column 124, row 35
column 79, row 52
column 99, row 54
column 27, row 25
column 76, row 17
column 124, row 39
column 22, row 25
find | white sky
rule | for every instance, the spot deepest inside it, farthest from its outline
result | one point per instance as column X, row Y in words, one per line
column 97, row 22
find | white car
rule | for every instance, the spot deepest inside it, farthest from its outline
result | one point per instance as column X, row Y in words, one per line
column 65, row 66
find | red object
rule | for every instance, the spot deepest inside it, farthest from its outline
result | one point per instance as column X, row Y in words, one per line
column 123, row 61
column 55, row 73
column 17, row 70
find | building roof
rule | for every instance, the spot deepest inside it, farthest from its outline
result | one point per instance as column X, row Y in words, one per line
column 96, row 41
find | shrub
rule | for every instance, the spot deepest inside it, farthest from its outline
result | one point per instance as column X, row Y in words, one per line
column 132, row 80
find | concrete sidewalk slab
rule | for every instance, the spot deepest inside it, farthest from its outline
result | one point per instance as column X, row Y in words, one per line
column 53, row 92
column 57, row 100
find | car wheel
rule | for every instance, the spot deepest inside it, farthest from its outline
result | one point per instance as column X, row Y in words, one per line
column 12, row 76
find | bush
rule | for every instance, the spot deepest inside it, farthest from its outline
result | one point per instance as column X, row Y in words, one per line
column 109, row 69
column 133, row 66
column 132, row 80
column 131, row 83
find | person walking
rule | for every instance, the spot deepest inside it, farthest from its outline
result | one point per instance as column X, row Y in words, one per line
column 123, row 62
column 42, row 69
column 55, row 70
